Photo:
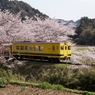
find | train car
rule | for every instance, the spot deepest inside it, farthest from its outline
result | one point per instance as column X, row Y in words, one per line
column 6, row 50
column 52, row 51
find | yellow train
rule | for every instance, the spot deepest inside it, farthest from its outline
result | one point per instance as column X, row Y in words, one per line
column 52, row 51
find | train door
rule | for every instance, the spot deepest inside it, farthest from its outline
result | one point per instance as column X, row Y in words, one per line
column 65, row 50
column 53, row 49
column 69, row 50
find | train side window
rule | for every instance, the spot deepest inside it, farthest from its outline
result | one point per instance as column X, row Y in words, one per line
column 69, row 47
column 41, row 48
column 31, row 47
column 53, row 48
column 62, row 47
column 17, row 47
column 26, row 47
column 36, row 48
column 22, row 47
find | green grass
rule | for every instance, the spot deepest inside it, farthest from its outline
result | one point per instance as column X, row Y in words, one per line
column 23, row 83
column 60, row 65
column 20, row 75
column 81, row 47
column 57, row 65
column 46, row 85
column 2, row 84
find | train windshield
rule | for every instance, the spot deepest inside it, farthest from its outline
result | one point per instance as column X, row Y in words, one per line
column 62, row 47
column 65, row 47
column 69, row 47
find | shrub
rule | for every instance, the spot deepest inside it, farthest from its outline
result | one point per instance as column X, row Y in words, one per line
column 3, row 82
column 79, row 78
column 45, row 85
column 58, row 87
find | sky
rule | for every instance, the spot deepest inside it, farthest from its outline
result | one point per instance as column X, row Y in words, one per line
column 64, row 9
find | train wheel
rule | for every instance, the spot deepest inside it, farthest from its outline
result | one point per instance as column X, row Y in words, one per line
column 17, row 57
column 57, row 60
column 50, row 60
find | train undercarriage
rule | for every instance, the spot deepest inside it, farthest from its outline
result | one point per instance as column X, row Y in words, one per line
column 41, row 58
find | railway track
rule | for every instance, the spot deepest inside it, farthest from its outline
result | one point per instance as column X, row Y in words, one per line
column 47, row 62
column 52, row 62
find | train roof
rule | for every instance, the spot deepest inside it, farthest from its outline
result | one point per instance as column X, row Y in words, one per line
column 41, row 42
column 9, row 44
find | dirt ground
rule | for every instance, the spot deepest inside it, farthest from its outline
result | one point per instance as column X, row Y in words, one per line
column 19, row 90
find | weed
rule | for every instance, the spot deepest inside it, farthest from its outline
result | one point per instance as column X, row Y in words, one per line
column 45, row 85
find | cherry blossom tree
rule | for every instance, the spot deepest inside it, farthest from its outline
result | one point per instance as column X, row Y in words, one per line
column 83, row 56
column 13, row 29
column 48, row 30
column 10, row 25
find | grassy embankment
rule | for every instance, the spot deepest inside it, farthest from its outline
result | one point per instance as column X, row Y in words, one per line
column 50, row 75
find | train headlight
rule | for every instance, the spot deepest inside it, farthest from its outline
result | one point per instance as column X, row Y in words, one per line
column 69, row 54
